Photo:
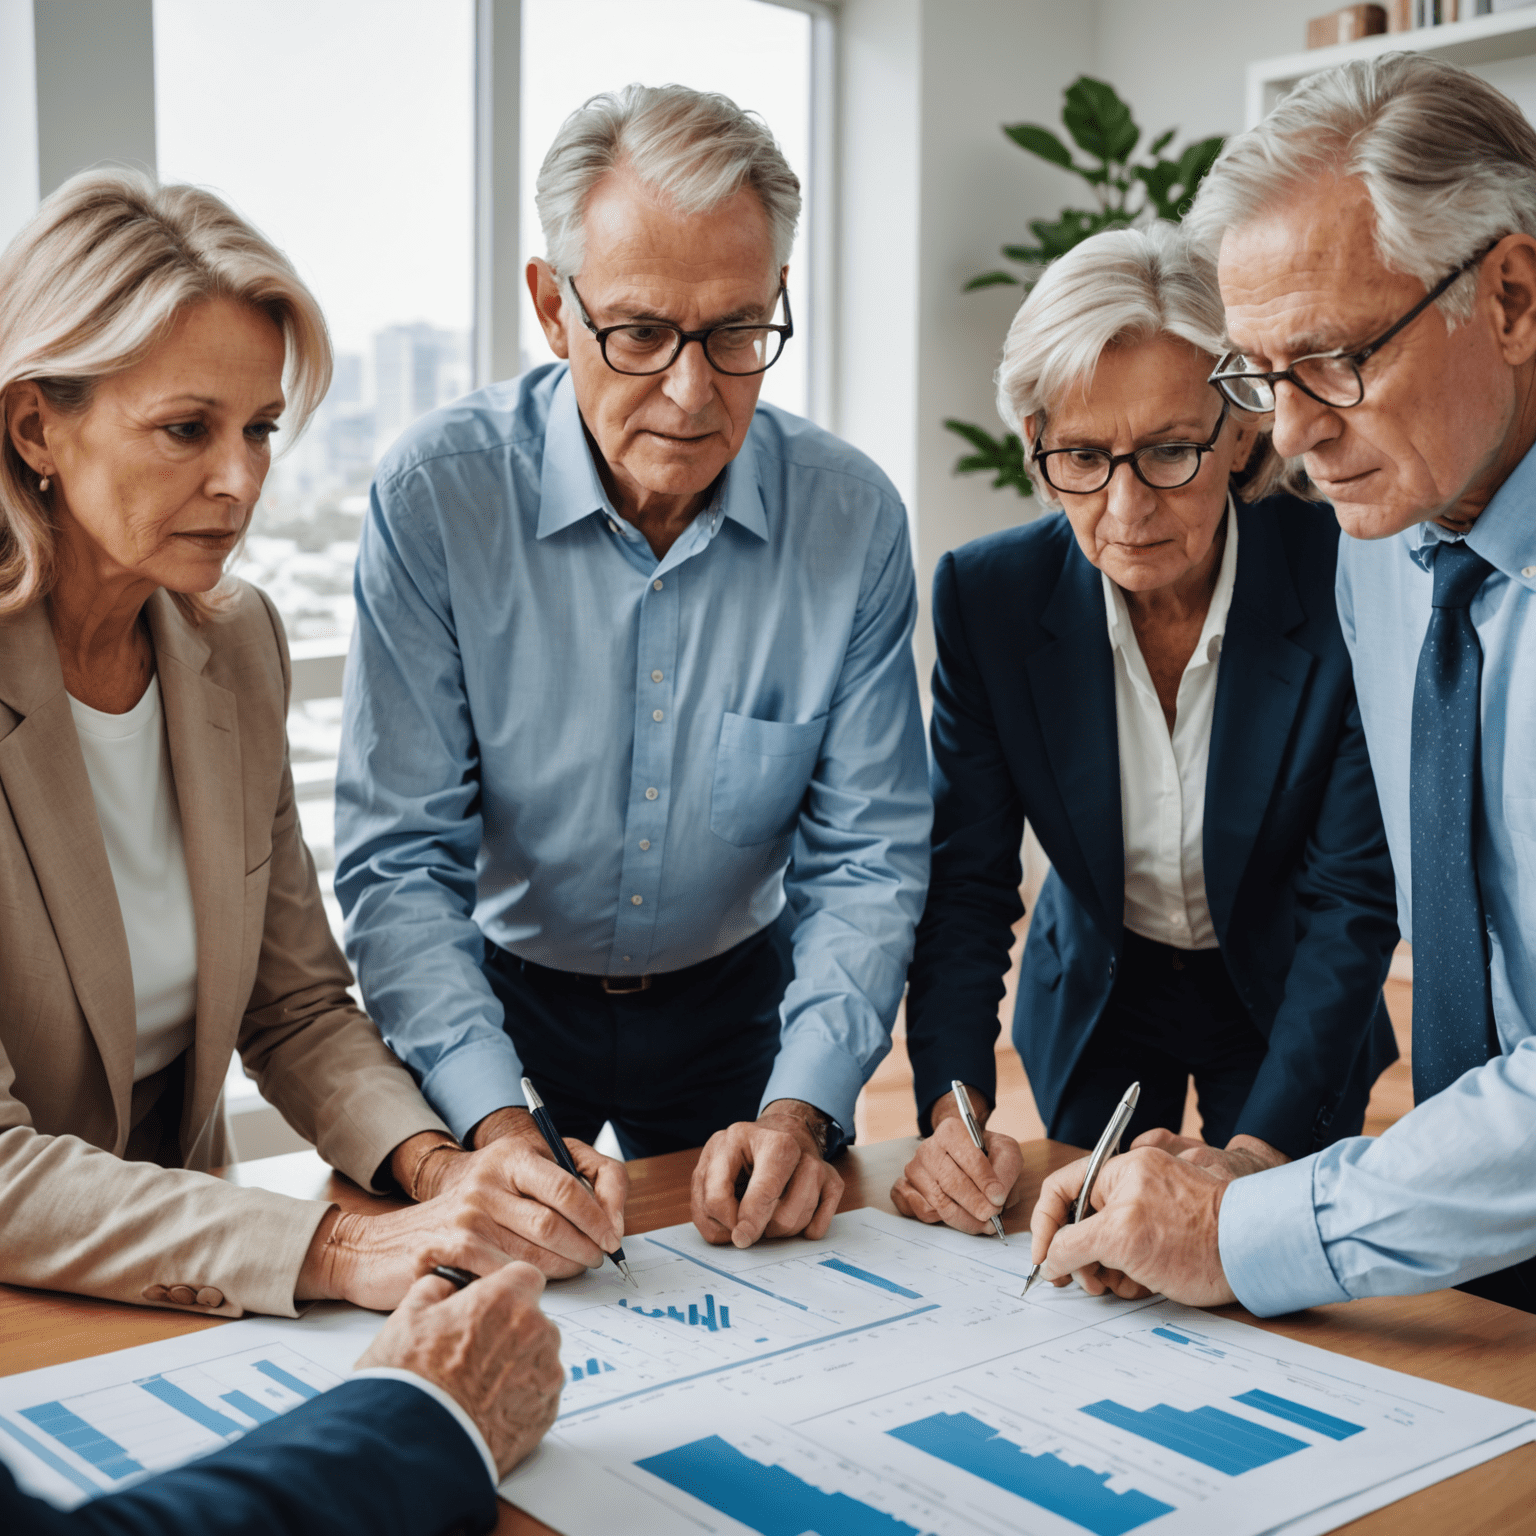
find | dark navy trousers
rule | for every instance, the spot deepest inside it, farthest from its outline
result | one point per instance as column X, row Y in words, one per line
column 667, row 1067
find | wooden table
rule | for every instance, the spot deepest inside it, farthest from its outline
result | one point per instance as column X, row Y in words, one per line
column 1446, row 1337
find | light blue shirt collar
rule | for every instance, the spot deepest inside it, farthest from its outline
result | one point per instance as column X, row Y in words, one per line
column 1504, row 533
column 570, row 488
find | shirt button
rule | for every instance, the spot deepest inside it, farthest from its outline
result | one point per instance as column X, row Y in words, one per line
column 655, row 677
column 1528, row 570
column 613, row 527
column 656, row 585
column 650, row 794
column 645, row 845
column 635, row 901
column 658, row 715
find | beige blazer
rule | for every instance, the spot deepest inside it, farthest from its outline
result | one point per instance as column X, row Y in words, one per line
column 271, row 983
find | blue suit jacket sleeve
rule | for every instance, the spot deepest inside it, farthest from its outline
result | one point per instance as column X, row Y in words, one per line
column 973, row 902
column 371, row 1455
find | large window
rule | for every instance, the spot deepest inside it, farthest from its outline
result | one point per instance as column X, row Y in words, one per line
column 344, row 130
column 757, row 54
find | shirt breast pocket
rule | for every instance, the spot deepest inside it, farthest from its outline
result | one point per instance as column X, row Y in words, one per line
column 762, row 770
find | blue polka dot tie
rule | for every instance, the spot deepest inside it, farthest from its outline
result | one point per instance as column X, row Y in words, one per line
column 1453, row 1028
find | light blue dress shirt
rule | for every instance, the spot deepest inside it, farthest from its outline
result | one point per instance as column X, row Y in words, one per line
column 616, row 765
column 1449, row 1193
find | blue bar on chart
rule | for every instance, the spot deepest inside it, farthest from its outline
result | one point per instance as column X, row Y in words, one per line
column 1078, row 1494
column 189, row 1407
column 1299, row 1413
column 249, row 1406
column 592, row 1367
column 695, row 1318
column 85, row 1440
column 1180, row 1338
column 769, row 1500
column 50, row 1459
column 286, row 1379
column 844, row 1268
column 1221, row 1441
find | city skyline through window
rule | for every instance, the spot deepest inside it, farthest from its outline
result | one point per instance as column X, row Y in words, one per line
column 345, row 133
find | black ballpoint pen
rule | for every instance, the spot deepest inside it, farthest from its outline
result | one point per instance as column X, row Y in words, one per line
column 546, row 1124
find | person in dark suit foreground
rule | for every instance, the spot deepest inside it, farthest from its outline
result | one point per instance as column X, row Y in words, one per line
column 1156, row 680
column 456, row 1390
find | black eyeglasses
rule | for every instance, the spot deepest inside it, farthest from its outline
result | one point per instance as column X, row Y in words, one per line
column 642, row 347
column 1330, row 378
column 1162, row 466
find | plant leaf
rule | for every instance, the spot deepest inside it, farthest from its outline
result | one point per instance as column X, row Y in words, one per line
column 991, row 280
column 1161, row 142
column 1098, row 120
column 1003, row 458
column 1040, row 141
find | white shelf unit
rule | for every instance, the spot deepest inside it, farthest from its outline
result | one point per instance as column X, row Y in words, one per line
column 1480, row 40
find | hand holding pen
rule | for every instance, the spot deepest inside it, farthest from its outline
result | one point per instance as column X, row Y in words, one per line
column 1109, row 1144
column 561, row 1154
column 961, row 1175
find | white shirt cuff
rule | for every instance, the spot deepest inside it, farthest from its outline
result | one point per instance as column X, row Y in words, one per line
column 447, row 1400
column 1271, row 1250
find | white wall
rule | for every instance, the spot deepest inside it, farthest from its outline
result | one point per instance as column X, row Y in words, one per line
column 18, row 118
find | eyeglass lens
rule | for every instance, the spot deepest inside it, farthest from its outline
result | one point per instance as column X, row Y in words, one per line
column 1331, row 380
column 738, row 349
column 1165, row 466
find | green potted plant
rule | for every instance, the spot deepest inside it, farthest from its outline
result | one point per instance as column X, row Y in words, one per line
column 1126, row 191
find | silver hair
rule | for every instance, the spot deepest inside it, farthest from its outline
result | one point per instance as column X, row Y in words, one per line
column 1449, row 164
column 696, row 147
column 1122, row 287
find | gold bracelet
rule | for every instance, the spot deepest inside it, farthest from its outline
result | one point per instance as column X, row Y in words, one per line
column 437, row 1146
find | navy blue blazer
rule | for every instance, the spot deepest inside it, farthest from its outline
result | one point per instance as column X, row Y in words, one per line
column 1297, row 872
column 370, row 1455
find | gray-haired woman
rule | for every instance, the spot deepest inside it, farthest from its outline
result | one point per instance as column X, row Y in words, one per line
column 158, row 907
column 1155, row 679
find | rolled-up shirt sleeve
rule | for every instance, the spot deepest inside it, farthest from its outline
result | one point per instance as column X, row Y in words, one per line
column 1445, row 1195
column 408, row 824
column 859, row 870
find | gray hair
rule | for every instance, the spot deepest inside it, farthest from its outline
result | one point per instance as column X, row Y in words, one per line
column 94, row 282
column 1449, row 164
column 696, row 147
column 1123, row 286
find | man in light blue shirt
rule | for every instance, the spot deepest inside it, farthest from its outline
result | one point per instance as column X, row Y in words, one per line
column 632, row 795
column 1373, row 191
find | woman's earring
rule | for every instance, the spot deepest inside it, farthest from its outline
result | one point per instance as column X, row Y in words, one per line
column 43, row 485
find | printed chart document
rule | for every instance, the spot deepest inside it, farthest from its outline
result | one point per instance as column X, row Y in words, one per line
column 886, row 1381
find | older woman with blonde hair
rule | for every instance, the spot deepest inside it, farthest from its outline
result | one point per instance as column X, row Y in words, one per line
column 158, row 907
column 1154, row 678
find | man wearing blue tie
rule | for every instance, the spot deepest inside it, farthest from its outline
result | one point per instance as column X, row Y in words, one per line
column 632, row 795
column 1376, row 238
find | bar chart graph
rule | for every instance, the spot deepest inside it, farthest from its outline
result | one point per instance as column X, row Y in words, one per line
column 113, row 1435
column 588, row 1368
column 770, row 1500
column 697, row 1317
column 1211, row 1436
column 1076, row 1493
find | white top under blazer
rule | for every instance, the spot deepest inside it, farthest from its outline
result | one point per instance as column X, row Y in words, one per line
column 128, row 760
column 1162, row 776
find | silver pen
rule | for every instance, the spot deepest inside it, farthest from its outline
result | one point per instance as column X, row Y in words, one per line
column 1109, row 1144
column 963, row 1101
